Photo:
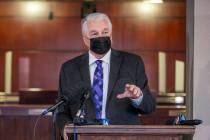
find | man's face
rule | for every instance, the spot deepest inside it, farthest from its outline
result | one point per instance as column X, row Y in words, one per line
column 96, row 29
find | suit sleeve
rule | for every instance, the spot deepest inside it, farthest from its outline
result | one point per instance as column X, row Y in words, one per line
column 148, row 103
column 62, row 114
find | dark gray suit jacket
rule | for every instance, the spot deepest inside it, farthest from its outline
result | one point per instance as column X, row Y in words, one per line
column 124, row 67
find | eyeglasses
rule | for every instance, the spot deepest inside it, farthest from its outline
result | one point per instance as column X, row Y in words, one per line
column 93, row 34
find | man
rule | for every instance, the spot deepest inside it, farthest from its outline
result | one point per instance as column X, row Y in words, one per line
column 118, row 81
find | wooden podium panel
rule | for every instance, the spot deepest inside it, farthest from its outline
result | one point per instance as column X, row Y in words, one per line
column 128, row 137
column 17, row 122
column 132, row 132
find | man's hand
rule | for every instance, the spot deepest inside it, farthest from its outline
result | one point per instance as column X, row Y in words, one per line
column 65, row 136
column 131, row 91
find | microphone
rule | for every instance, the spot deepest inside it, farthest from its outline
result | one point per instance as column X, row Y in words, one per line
column 52, row 108
column 70, row 96
column 79, row 118
column 181, row 120
column 190, row 122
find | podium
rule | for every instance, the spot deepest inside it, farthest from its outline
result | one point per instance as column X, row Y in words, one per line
column 132, row 132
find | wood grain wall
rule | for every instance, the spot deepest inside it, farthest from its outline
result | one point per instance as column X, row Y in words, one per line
column 41, row 45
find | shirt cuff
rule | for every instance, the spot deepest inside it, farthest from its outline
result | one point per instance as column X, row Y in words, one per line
column 137, row 102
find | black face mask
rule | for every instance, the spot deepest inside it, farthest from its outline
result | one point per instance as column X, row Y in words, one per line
column 100, row 45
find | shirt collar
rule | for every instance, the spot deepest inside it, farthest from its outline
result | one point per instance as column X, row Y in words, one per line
column 105, row 59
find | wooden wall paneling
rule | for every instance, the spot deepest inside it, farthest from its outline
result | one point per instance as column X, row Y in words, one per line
column 117, row 32
column 171, row 34
column 11, row 9
column 66, row 9
column 177, row 36
column 6, row 126
column 8, row 31
column 43, row 131
column 69, row 35
column 57, row 34
column 171, row 57
column 41, row 34
column 132, row 9
column 149, row 34
column 37, row 34
column 39, row 68
column 138, row 34
column 165, row 30
column 18, row 31
column 2, row 67
column 21, row 128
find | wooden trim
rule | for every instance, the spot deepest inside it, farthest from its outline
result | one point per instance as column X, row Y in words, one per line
column 176, row 10
column 133, row 129
column 14, row 9
column 22, row 110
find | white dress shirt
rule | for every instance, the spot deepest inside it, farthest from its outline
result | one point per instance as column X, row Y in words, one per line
column 106, row 70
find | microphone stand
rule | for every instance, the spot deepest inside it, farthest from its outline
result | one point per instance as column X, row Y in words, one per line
column 79, row 118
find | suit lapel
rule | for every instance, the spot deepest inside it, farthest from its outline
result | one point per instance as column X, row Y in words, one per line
column 84, row 69
column 115, row 63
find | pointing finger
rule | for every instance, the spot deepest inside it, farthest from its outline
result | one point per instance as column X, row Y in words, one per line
column 121, row 96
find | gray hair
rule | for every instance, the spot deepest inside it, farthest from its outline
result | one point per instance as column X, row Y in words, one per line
column 94, row 17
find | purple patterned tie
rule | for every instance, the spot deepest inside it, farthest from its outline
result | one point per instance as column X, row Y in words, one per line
column 98, row 88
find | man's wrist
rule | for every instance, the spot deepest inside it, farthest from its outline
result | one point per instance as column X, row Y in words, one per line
column 136, row 102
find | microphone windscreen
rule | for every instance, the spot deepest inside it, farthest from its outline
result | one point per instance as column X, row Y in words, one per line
column 190, row 122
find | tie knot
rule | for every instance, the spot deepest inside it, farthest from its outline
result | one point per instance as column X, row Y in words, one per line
column 98, row 62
